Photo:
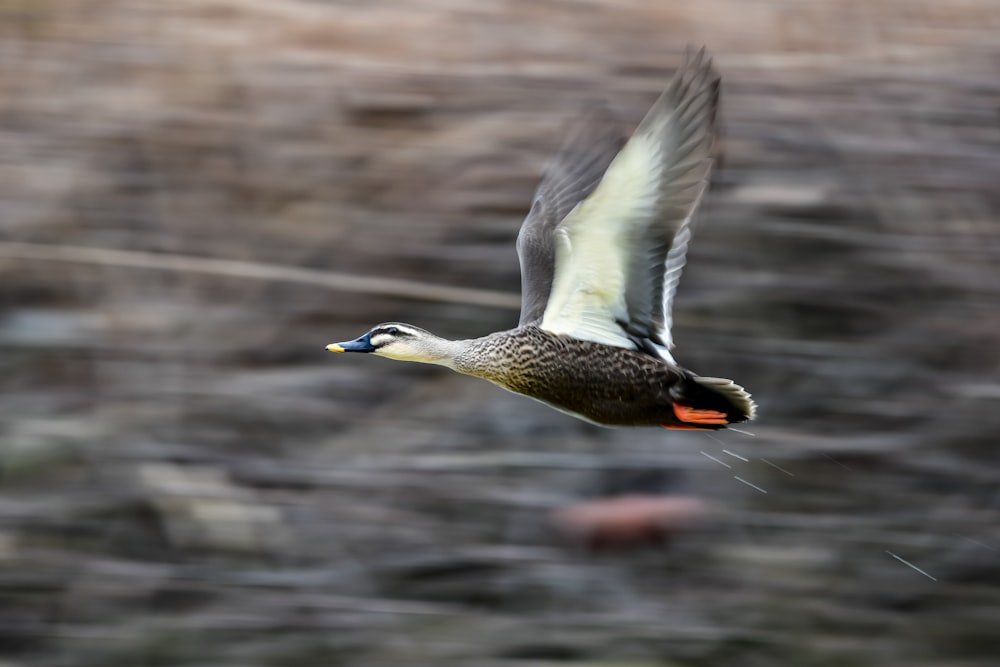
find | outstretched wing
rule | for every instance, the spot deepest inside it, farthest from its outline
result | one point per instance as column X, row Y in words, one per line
column 573, row 172
column 619, row 253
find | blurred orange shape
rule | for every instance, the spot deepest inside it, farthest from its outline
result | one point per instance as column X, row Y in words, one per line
column 630, row 520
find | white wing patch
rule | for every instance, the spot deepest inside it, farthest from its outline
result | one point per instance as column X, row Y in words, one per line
column 620, row 252
column 594, row 242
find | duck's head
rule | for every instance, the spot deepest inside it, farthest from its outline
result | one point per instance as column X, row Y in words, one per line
column 404, row 342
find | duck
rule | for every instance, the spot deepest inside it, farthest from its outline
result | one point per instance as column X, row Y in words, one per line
column 601, row 252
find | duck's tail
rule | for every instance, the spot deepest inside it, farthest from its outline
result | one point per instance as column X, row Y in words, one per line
column 705, row 403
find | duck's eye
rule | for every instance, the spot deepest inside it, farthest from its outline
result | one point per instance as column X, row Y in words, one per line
column 392, row 331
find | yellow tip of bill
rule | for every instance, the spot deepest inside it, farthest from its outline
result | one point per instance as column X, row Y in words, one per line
column 333, row 347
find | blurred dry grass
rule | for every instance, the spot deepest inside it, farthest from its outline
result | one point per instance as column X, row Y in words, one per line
column 188, row 479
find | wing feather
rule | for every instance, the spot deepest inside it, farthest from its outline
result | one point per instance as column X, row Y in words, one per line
column 587, row 149
column 621, row 250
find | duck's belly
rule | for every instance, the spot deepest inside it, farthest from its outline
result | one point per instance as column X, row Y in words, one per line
column 632, row 401
column 599, row 383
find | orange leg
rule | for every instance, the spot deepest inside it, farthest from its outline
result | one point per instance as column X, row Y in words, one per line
column 696, row 416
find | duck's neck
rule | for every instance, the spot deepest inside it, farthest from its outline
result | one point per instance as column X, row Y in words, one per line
column 473, row 356
column 479, row 357
column 441, row 351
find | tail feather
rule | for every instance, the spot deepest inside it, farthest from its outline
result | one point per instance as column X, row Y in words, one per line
column 712, row 403
column 738, row 397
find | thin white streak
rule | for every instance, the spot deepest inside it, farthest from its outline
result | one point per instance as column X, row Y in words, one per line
column 985, row 546
column 749, row 483
column 712, row 437
column 719, row 461
column 775, row 465
column 736, row 430
column 726, row 451
column 906, row 562
column 842, row 465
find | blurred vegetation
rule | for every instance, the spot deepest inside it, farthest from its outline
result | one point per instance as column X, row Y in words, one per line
column 186, row 478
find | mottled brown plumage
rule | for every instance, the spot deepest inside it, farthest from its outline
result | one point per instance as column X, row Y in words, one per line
column 602, row 384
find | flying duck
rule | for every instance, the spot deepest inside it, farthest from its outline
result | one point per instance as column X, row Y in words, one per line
column 601, row 252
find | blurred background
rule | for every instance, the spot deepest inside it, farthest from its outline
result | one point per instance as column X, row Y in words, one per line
column 195, row 193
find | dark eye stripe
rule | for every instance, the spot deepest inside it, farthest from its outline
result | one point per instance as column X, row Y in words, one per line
column 390, row 331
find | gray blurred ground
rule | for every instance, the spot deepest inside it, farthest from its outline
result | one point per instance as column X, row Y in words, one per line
column 186, row 478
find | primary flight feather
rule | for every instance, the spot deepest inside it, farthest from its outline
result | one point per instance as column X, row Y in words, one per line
column 601, row 252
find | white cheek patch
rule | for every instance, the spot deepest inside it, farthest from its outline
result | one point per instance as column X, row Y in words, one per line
column 397, row 351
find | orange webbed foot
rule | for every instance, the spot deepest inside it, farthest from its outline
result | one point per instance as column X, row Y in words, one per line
column 691, row 415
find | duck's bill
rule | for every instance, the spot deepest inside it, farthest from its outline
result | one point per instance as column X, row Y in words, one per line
column 362, row 344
